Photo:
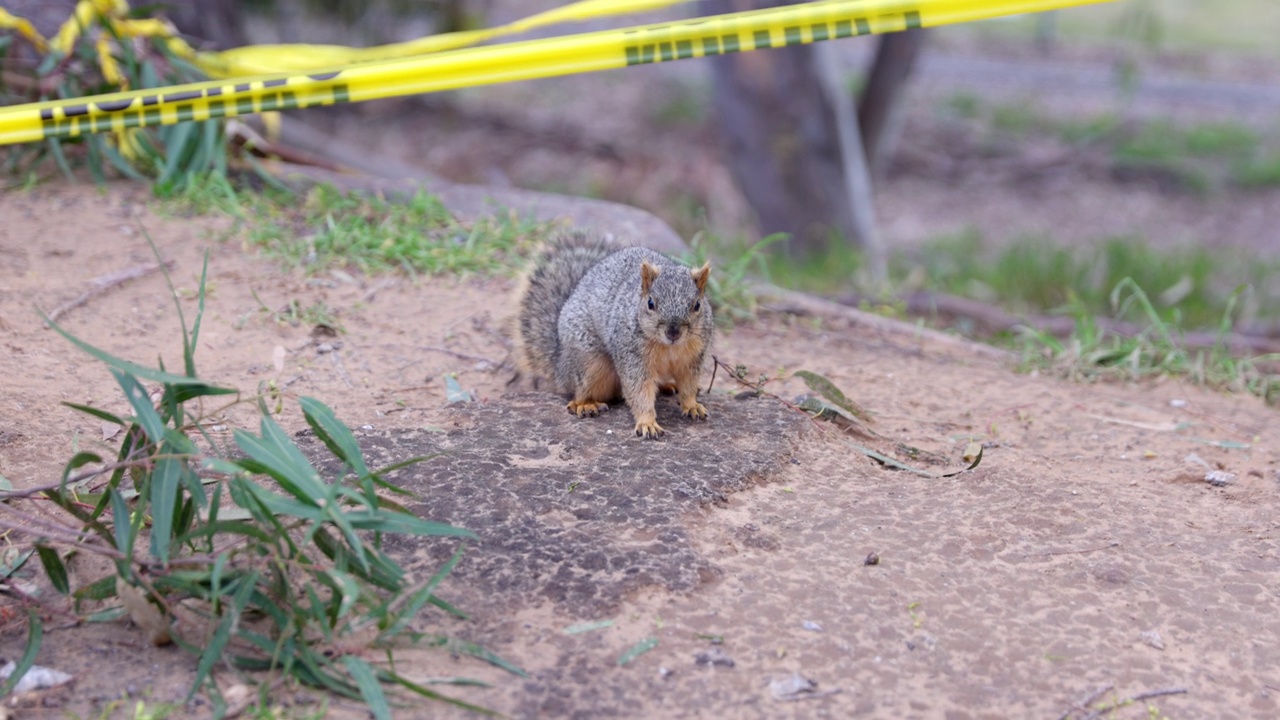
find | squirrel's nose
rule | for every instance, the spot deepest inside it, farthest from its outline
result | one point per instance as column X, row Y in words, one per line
column 673, row 332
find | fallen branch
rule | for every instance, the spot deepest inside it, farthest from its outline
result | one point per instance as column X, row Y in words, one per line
column 1084, row 704
column 1098, row 713
column 103, row 283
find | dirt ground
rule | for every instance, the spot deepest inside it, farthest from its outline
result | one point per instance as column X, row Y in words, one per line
column 1086, row 551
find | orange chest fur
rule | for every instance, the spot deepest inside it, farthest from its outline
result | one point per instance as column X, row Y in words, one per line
column 665, row 363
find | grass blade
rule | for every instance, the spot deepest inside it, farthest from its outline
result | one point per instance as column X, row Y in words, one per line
column 222, row 635
column 144, row 411
column 637, row 650
column 100, row 414
column 54, row 568
column 370, row 688
column 132, row 368
column 334, row 434
column 121, row 522
column 394, row 522
column 433, row 695
column 165, row 480
column 35, row 635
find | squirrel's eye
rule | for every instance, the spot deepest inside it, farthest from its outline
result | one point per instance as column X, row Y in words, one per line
column 697, row 306
column 651, row 306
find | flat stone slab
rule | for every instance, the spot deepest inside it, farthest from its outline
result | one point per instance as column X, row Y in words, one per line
column 579, row 512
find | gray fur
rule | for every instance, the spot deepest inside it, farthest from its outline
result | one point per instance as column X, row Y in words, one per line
column 585, row 321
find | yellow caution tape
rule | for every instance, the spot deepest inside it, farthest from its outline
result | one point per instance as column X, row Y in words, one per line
column 587, row 52
column 267, row 59
column 24, row 28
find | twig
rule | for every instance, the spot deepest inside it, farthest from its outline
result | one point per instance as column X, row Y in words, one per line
column 1108, row 546
column 1084, row 704
column 446, row 351
column 103, row 283
column 74, row 479
column 1158, row 693
column 371, row 292
column 715, row 365
column 1097, row 713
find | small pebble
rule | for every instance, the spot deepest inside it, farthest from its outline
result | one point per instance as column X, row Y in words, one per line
column 1219, row 478
column 1152, row 638
column 811, row 626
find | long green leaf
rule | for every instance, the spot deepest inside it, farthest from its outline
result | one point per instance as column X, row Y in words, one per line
column 164, row 486
column 150, row 421
column 121, row 522
column 35, row 635
column 280, row 505
column 76, row 462
column 132, row 368
column 334, row 434
column 230, row 619
column 284, row 460
column 100, row 414
column 420, row 597
column 54, row 568
column 428, row 693
column 828, row 390
column 394, row 522
column 370, row 688
column 338, row 518
column 189, row 346
column 637, row 650
column 177, row 147
column 477, row 651
column 221, row 527
column 100, row 589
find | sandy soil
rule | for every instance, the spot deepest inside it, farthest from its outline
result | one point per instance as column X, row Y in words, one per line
column 1014, row 590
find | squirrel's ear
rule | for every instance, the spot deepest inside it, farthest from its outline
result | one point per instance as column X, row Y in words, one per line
column 700, row 276
column 648, row 273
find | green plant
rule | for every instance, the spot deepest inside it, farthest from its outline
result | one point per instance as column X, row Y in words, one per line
column 110, row 53
column 277, row 568
column 730, row 284
column 347, row 229
column 1259, row 173
column 1093, row 352
column 1191, row 285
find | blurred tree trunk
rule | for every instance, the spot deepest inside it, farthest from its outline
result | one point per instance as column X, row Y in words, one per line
column 882, row 106
column 794, row 148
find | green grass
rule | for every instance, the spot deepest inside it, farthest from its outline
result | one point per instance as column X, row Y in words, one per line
column 1158, row 350
column 326, row 228
column 1262, row 172
column 1192, row 286
column 730, row 286
column 1201, row 158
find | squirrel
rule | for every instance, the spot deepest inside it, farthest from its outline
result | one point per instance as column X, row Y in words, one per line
column 604, row 321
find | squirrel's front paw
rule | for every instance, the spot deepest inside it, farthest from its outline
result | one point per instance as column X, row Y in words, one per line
column 584, row 408
column 649, row 429
column 696, row 411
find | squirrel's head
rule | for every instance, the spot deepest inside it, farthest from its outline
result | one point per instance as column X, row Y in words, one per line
column 673, row 303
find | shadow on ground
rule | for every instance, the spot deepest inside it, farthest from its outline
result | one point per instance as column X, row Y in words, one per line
column 578, row 512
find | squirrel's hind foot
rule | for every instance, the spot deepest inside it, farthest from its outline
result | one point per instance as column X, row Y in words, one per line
column 586, row 408
column 696, row 411
column 649, row 429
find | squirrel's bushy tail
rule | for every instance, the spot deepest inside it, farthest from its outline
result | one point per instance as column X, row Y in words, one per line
column 556, row 271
